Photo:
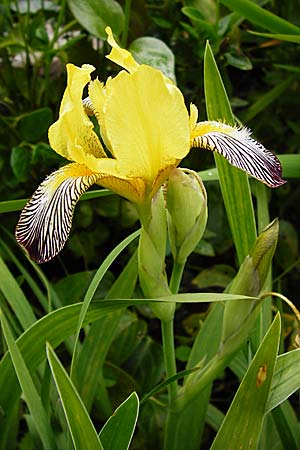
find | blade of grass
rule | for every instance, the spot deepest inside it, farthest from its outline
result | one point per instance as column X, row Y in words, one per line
column 291, row 165
column 15, row 297
column 56, row 326
column 286, row 378
column 186, row 426
column 287, row 425
column 82, row 430
column 99, row 338
column 242, row 425
column 267, row 98
column 259, row 16
column 92, row 289
column 29, row 279
column 17, row 205
column 29, row 390
column 234, row 183
column 295, row 38
column 117, row 432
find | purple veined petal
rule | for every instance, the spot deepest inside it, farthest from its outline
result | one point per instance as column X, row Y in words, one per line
column 45, row 221
column 243, row 152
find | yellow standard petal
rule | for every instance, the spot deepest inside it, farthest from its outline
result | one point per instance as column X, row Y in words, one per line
column 119, row 55
column 97, row 95
column 147, row 123
column 45, row 222
column 72, row 135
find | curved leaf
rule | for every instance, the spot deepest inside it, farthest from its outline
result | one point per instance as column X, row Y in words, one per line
column 80, row 425
column 118, row 430
column 95, row 15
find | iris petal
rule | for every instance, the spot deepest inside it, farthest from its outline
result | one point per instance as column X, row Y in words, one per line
column 237, row 146
column 45, row 222
column 72, row 135
column 119, row 55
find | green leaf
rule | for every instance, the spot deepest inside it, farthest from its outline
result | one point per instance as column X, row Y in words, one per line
column 17, row 205
column 29, row 390
column 20, row 161
column 243, row 422
column 99, row 338
column 266, row 99
column 56, row 326
column 199, row 22
column 33, row 125
column 287, row 426
column 206, row 8
column 29, row 279
column 186, row 427
column 259, row 16
column 219, row 275
column 80, row 425
column 286, row 378
column 280, row 37
column 118, row 430
column 95, row 15
column 236, row 58
column 15, row 297
column 93, row 286
column 234, row 183
column 155, row 53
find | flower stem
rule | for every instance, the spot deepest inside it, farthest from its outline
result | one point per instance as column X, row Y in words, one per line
column 167, row 328
column 169, row 357
column 127, row 18
column 176, row 277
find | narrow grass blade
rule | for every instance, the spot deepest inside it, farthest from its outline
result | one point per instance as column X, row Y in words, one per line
column 118, row 430
column 291, row 165
column 234, row 183
column 17, row 205
column 93, row 286
column 29, row 279
column 56, row 326
column 185, row 426
column 267, row 98
column 15, row 297
column 259, row 16
column 243, row 422
column 99, row 338
column 295, row 38
column 29, row 390
column 80, row 425
column 287, row 425
column 286, row 379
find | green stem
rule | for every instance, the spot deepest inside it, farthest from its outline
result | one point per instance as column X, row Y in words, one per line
column 126, row 27
column 169, row 358
column 176, row 277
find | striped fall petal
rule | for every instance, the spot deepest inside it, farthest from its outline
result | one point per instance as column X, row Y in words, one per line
column 45, row 222
column 240, row 150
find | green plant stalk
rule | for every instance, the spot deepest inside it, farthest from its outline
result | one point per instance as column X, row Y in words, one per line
column 167, row 329
column 176, row 276
column 127, row 11
column 263, row 218
column 169, row 356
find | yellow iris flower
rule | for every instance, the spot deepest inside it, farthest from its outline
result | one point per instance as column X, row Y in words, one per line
column 145, row 131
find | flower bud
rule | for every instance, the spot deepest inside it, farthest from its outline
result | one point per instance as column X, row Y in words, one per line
column 250, row 279
column 186, row 212
column 151, row 259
